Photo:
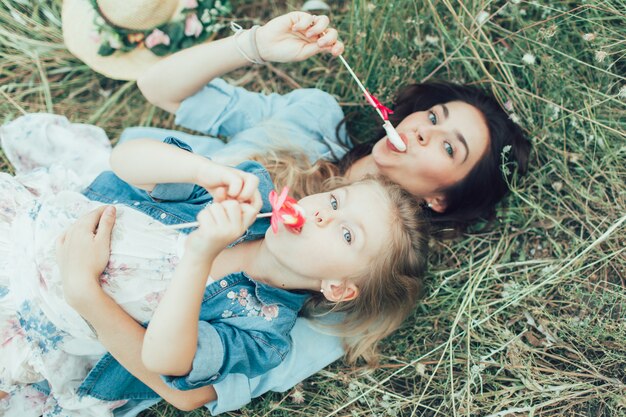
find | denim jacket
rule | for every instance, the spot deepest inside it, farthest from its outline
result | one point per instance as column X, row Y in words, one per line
column 244, row 325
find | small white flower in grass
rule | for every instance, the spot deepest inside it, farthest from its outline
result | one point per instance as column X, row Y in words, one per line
column 482, row 17
column 433, row 40
column 297, row 395
column 556, row 110
column 529, row 59
column 601, row 56
column 622, row 92
column 420, row 368
column 508, row 105
column 514, row 118
column 589, row 37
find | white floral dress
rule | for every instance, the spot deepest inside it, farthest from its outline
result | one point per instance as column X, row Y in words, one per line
column 41, row 337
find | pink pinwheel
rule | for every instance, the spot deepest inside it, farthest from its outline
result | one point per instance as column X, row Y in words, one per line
column 285, row 210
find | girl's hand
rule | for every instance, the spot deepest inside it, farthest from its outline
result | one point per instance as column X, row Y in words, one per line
column 83, row 252
column 226, row 183
column 297, row 36
column 219, row 225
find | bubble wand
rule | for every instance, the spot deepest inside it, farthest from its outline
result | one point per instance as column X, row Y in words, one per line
column 381, row 109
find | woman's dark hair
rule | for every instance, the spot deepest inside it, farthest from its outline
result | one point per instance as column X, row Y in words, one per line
column 476, row 195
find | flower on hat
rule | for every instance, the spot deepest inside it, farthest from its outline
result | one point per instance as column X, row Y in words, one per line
column 135, row 37
column 285, row 210
column 157, row 37
column 197, row 21
column 193, row 25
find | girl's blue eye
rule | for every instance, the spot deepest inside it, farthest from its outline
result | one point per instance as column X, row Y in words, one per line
column 347, row 236
column 432, row 117
column 449, row 149
column 333, row 202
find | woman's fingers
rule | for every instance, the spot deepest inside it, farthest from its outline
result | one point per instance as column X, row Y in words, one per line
column 304, row 21
column 318, row 26
column 328, row 38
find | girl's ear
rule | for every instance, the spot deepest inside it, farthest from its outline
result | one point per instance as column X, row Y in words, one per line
column 339, row 290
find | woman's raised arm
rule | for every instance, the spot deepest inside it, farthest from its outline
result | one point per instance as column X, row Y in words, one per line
column 291, row 37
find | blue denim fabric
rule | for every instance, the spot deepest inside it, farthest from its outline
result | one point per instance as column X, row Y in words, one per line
column 244, row 325
column 306, row 119
column 233, row 337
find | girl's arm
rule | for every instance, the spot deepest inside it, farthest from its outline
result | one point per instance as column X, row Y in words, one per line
column 83, row 252
column 291, row 37
column 145, row 163
column 172, row 336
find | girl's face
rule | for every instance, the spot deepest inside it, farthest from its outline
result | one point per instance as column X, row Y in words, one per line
column 344, row 230
column 443, row 144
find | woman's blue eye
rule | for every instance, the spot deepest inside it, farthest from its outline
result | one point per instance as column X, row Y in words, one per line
column 347, row 236
column 333, row 202
column 448, row 148
column 432, row 117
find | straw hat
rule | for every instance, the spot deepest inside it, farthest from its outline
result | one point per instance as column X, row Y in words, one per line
column 122, row 38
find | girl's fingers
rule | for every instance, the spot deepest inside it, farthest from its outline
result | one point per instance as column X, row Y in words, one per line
column 249, row 213
column 235, row 184
column 105, row 224
column 233, row 212
column 250, row 187
column 91, row 219
column 219, row 194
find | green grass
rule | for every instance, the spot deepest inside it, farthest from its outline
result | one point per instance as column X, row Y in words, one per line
column 527, row 318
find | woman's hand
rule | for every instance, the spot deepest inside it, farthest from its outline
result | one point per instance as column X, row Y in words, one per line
column 219, row 225
column 226, row 183
column 297, row 36
column 83, row 252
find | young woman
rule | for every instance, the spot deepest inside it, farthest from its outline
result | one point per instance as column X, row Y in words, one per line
column 246, row 312
column 457, row 137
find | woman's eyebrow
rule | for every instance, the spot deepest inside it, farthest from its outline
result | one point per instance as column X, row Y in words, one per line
column 459, row 136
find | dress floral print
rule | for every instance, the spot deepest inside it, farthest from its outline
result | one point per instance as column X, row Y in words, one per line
column 41, row 337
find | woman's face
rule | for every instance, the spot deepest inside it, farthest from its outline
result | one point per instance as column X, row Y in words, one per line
column 443, row 144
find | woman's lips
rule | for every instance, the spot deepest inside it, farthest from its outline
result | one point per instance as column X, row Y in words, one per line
column 391, row 146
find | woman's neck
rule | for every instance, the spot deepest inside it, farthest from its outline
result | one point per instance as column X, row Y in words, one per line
column 361, row 167
column 253, row 258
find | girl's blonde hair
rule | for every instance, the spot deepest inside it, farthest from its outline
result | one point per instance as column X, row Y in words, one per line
column 390, row 285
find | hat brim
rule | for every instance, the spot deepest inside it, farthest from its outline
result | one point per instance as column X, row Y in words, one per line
column 78, row 33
